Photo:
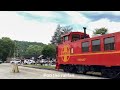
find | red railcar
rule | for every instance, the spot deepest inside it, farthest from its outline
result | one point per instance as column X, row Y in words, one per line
column 80, row 53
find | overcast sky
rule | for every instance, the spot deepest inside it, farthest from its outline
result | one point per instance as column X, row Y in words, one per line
column 39, row 26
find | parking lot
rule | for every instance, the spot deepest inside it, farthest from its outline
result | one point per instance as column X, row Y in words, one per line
column 32, row 73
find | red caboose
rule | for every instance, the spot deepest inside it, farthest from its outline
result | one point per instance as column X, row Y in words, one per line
column 80, row 53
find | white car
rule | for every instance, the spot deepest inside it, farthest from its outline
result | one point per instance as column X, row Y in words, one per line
column 16, row 61
column 27, row 61
column 43, row 61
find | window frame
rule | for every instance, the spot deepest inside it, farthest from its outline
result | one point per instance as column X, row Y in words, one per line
column 73, row 38
column 67, row 38
column 85, row 47
column 109, row 43
column 95, row 45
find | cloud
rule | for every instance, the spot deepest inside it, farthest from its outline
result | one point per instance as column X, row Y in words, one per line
column 39, row 13
column 77, row 18
column 39, row 26
column 14, row 26
column 61, row 17
column 116, row 13
column 94, row 12
column 104, row 22
column 55, row 17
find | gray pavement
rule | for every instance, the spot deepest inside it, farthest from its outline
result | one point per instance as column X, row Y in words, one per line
column 32, row 73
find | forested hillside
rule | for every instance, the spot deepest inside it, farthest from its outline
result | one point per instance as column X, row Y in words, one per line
column 23, row 46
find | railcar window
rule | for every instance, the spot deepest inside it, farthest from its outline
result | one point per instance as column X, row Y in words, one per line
column 65, row 38
column 85, row 47
column 71, row 50
column 96, row 45
column 109, row 43
column 75, row 37
column 82, row 37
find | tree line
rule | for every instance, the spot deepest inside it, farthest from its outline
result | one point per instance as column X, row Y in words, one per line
column 6, row 48
column 25, row 49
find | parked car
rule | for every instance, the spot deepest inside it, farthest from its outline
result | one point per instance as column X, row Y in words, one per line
column 43, row 61
column 27, row 61
column 15, row 61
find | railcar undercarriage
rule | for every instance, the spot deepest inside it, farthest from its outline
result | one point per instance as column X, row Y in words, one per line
column 108, row 72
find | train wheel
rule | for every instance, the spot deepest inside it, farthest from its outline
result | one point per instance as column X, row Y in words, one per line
column 112, row 74
column 64, row 69
column 104, row 72
column 70, row 69
column 108, row 73
column 84, row 72
column 75, row 70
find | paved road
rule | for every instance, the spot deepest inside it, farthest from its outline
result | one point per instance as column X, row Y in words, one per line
column 32, row 73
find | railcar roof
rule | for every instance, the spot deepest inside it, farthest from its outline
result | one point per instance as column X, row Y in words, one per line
column 96, row 37
column 72, row 32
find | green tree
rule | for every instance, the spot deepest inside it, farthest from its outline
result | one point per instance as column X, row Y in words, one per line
column 57, row 34
column 101, row 31
column 1, row 49
column 34, row 50
column 21, row 47
column 6, row 48
column 66, row 29
column 56, row 38
column 49, row 51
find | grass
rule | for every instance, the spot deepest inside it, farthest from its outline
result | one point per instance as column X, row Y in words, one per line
column 40, row 66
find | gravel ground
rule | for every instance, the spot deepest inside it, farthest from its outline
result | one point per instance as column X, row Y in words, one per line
column 32, row 73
